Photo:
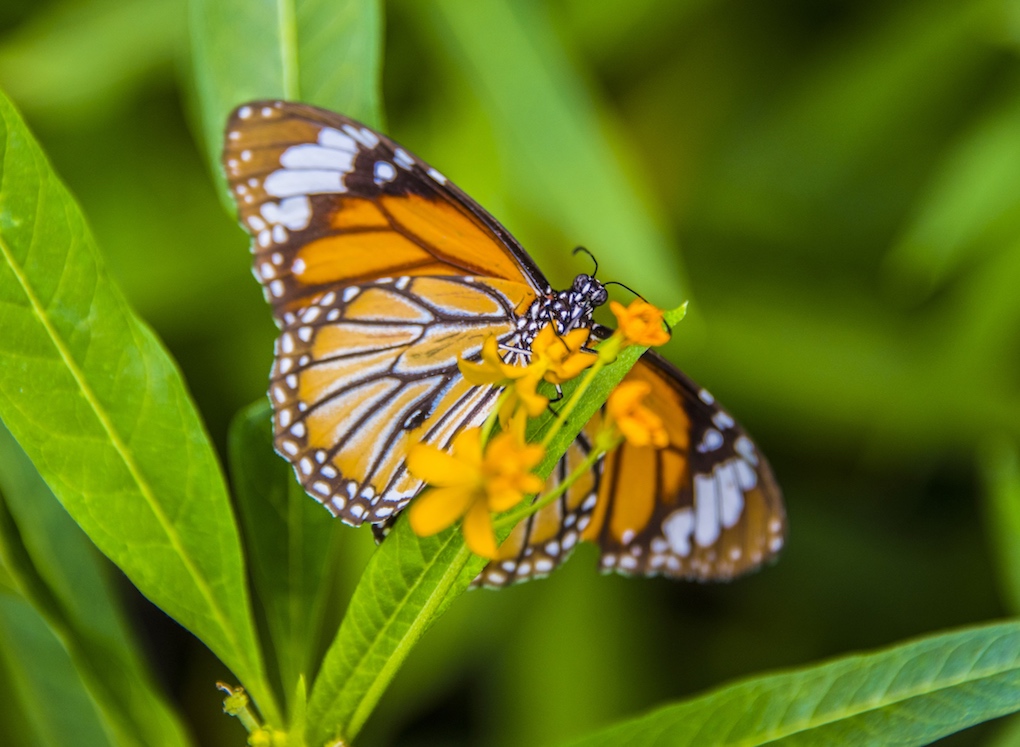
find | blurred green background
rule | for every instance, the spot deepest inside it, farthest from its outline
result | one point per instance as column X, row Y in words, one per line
column 835, row 184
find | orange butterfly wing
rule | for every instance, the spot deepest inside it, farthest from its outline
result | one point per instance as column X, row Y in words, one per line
column 332, row 203
column 706, row 507
column 381, row 275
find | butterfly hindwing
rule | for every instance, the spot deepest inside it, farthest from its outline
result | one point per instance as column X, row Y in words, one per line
column 363, row 372
column 706, row 507
column 542, row 542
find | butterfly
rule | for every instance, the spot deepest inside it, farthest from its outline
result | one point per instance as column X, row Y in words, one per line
column 381, row 275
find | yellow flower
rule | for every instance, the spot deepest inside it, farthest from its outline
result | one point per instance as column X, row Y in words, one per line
column 473, row 484
column 640, row 323
column 562, row 356
column 492, row 369
column 639, row 425
column 553, row 358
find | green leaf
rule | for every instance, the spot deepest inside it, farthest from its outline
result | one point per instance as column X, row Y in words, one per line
column 289, row 538
column 407, row 584
column 1001, row 471
column 100, row 408
column 47, row 690
column 567, row 169
column 327, row 53
column 60, row 573
column 411, row 581
column 910, row 694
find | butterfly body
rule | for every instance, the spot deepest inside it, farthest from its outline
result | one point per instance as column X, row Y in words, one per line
column 382, row 275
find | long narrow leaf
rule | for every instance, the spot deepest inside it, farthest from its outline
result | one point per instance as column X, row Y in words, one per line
column 910, row 694
column 59, row 572
column 98, row 405
column 46, row 688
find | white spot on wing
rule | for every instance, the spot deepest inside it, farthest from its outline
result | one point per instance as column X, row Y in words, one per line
column 706, row 510
column 711, row 441
column 311, row 156
column 384, row 172
column 293, row 212
column 678, row 527
column 403, row 159
column 288, row 183
column 746, row 476
column 731, row 497
column 722, row 420
column 364, row 136
column 333, row 138
column 745, row 448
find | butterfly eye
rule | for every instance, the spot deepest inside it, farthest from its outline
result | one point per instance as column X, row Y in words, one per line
column 599, row 296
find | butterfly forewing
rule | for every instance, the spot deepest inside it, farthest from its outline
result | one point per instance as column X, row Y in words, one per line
column 332, row 203
column 706, row 507
column 381, row 275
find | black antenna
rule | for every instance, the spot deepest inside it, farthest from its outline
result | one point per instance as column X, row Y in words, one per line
column 582, row 249
column 617, row 282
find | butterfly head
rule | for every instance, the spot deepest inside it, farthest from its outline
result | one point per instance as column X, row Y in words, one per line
column 573, row 308
column 591, row 290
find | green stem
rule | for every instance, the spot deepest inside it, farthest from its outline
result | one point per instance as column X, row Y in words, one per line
column 512, row 518
column 575, row 397
column 490, row 421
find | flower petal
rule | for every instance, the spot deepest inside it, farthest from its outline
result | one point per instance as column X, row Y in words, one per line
column 467, row 448
column 640, row 323
column 436, row 467
column 491, row 369
column 436, row 509
column 478, row 534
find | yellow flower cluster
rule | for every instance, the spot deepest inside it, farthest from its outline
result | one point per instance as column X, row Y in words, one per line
column 474, row 482
column 478, row 477
column 553, row 358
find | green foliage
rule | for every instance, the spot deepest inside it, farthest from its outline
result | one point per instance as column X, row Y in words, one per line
column 548, row 127
column 316, row 51
column 289, row 541
column 844, row 181
column 41, row 674
column 1002, row 481
column 97, row 404
column 911, row 694
column 57, row 570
